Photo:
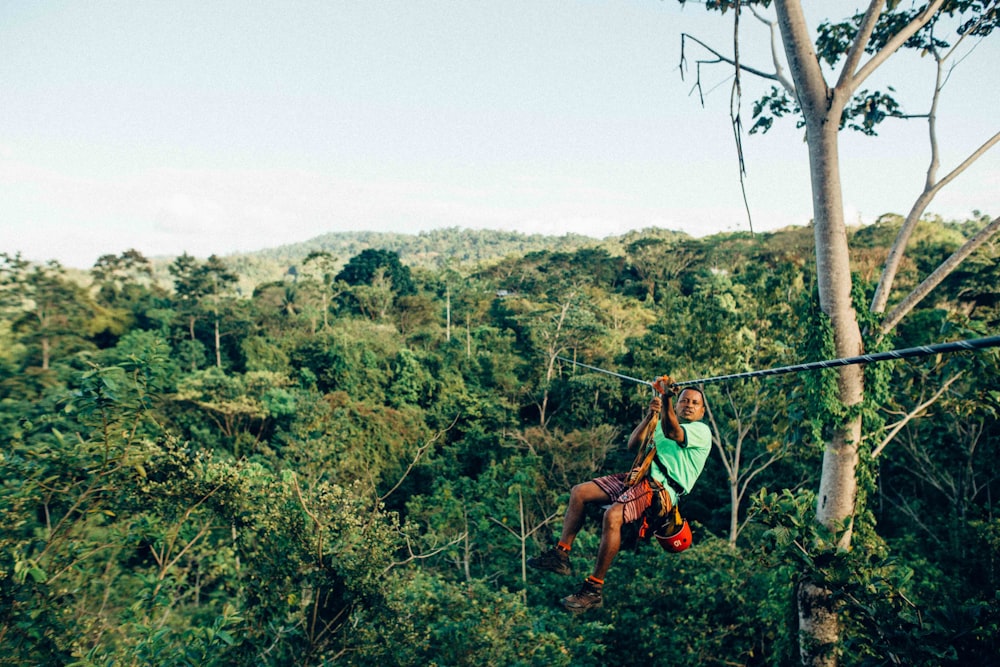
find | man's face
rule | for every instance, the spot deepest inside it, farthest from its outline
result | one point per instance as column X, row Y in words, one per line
column 690, row 406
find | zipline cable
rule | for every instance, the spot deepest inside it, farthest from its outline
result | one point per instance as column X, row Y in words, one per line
column 601, row 370
column 906, row 353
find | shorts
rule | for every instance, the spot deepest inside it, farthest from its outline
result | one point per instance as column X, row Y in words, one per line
column 635, row 500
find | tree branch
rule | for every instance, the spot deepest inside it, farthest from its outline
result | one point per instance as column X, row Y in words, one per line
column 915, row 412
column 861, row 40
column 412, row 556
column 931, row 188
column 546, row 521
column 939, row 274
column 975, row 155
column 891, row 47
column 779, row 70
column 420, row 452
column 725, row 59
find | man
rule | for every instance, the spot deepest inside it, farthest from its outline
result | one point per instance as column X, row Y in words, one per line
column 682, row 443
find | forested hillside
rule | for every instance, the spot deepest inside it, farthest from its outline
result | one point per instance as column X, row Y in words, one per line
column 432, row 249
column 343, row 452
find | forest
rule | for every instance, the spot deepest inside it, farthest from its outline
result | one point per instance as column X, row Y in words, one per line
column 345, row 454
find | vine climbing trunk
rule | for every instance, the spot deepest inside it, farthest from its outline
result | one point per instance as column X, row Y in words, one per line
column 835, row 504
column 822, row 107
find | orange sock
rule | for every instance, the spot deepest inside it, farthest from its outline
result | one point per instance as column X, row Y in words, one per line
column 594, row 580
column 565, row 547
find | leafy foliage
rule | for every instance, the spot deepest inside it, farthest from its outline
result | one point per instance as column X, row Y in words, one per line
column 343, row 488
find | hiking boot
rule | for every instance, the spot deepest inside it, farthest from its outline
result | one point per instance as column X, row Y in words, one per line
column 587, row 597
column 554, row 560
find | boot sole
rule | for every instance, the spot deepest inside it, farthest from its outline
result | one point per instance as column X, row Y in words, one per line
column 580, row 610
column 542, row 568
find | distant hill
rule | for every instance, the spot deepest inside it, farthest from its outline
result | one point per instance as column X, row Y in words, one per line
column 429, row 249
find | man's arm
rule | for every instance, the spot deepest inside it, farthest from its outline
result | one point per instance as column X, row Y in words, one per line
column 670, row 424
column 642, row 432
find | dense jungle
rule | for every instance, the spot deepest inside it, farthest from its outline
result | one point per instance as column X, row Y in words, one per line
column 344, row 451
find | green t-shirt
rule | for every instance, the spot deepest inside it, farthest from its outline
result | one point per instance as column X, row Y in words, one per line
column 683, row 462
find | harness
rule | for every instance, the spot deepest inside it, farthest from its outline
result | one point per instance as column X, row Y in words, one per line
column 673, row 483
column 645, row 457
column 663, row 516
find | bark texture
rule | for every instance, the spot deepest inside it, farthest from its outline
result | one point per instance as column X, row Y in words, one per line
column 822, row 107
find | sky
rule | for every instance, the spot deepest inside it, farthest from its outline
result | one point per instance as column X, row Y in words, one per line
column 224, row 126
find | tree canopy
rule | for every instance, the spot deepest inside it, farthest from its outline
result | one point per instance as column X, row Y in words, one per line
column 365, row 491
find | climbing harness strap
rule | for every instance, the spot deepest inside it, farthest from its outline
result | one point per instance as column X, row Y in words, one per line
column 645, row 454
column 673, row 483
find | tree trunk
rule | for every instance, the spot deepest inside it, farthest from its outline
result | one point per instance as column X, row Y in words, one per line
column 822, row 107
column 218, row 344
column 838, row 484
column 45, row 353
column 835, row 502
column 818, row 625
column 734, row 518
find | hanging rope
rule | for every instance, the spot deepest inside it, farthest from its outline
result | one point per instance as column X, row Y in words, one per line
column 921, row 351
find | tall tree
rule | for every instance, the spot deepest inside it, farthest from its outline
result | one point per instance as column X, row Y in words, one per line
column 46, row 305
column 113, row 274
column 201, row 287
column 364, row 268
column 319, row 267
column 858, row 46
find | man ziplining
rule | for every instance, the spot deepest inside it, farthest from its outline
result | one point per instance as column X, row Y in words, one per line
column 672, row 449
column 671, row 462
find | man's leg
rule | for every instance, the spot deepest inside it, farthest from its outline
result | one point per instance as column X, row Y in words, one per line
column 589, row 595
column 611, row 540
column 579, row 496
column 556, row 559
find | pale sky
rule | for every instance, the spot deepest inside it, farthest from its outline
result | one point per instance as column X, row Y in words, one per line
column 221, row 126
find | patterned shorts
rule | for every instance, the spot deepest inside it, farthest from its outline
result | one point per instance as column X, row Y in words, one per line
column 635, row 500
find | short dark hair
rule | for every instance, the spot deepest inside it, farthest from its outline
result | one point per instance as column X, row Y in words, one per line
column 704, row 401
column 683, row 389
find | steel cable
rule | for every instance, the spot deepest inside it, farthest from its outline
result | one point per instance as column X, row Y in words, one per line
column 906, row 353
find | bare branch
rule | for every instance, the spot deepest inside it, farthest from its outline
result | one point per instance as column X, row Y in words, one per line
column 891, row 47
column 779, row 69
column 524, row 439
column 717, row 441
column 76, row 561
column 416, row 457
column 201, row 533
column 757, row 469
column 428, row 554
column 914, row 413
column 727, row 59
column 860, row 42
column 931, row 189
column 975, row 155
column 903, row 505
column 939, row 274
column 938, row 477
column 546, row 521
column 895, row 256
